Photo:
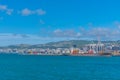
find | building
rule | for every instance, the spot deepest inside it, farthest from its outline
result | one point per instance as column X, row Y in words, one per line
column 95, row 48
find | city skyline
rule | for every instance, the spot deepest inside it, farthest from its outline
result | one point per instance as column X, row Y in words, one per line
column 42, row 21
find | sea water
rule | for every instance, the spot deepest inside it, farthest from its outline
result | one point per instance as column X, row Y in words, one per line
column 21, row 67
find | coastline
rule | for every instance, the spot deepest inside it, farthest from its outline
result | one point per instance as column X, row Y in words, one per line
column 84, row 55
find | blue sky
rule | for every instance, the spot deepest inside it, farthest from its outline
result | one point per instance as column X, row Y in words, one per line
column 41, row 21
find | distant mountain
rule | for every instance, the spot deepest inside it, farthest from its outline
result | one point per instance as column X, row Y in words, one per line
column 60, row 44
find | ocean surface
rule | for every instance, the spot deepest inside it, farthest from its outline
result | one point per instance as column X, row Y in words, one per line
column 21, row 67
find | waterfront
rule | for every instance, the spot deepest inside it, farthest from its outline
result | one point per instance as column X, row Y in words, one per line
column 90, row 49
column 20, row 67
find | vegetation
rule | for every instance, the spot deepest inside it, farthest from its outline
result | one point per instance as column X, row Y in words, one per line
column 61, row 44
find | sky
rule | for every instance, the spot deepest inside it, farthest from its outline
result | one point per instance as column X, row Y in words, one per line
column 43, row 21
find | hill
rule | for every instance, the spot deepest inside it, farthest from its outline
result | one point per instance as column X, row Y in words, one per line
column 60, row 44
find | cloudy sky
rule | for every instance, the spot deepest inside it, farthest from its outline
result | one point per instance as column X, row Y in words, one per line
column 42, row 21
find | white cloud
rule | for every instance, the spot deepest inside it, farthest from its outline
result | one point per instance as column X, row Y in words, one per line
column 78, row 34
column 117, row 23
column 104, row 33
column 5, row 9
column 9, row 11
column 27, row 12
column 40, row 12
column 65, row 33
column 59, row 34
column 11, row 39
column 24, row 12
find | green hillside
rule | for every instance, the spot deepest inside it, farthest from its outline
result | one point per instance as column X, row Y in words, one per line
column 61, row 44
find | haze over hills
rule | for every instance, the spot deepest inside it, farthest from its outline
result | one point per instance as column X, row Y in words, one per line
column 61, row 44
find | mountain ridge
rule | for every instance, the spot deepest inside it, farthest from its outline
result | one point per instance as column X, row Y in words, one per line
column 60, row 44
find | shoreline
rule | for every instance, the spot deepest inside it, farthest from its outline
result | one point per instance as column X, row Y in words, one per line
column 84, row 55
